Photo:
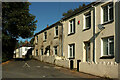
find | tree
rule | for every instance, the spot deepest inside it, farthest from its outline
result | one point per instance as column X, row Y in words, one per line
column 76, row 9
column 17, row 22
column 32, row 40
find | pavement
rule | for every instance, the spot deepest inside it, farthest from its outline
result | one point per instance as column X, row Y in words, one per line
column 36, row 69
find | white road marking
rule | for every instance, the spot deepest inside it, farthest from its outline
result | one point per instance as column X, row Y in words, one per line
column 45, row 67
column 26, row 64
column 38, row 66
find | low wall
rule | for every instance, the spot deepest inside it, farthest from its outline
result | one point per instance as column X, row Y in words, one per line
column 103, row 69
column 53, row 60
column 63, row 63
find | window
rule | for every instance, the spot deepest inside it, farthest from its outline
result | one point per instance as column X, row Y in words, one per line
column 55, row 50
column 72, row 26
column 36, row 52
column 87, row 51
column 108, row 13
column 56, row 31
column 37, row 39
column 71, row 51
column 45, row 35
column 108, row 46
column 87, row 21
column 25, row 49
column 41, row 51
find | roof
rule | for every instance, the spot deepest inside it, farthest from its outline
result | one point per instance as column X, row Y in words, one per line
column 80, row 10
column 70, row 15
column 58, row 22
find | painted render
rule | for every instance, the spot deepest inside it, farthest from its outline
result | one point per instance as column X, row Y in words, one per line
column 98, row 65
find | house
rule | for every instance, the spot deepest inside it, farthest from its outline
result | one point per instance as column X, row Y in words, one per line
column 23, row 51
column 89, row 40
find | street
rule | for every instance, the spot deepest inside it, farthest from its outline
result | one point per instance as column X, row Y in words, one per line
column 37, row 69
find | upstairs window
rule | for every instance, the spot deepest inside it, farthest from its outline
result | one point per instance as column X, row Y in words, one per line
column 37, row 39
column 71, row 26
column 87, row 21
column 108, row 46
column 108, row 13
column 56, row 31
column 71, row 51
column 45, row 35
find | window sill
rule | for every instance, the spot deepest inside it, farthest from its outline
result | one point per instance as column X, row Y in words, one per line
column 86, row 29
column 107, row 57
column 104, row 23
column 55, row 37
column 71, row 34
column 44, row 41
column 71, row 58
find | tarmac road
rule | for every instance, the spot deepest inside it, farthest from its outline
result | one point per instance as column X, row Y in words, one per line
column 37, row 69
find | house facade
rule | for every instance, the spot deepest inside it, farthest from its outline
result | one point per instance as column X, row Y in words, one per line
column 88, row 40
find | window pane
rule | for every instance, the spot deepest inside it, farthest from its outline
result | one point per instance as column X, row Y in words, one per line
column 105, row 46
column 87, row 45
column 71, row 28
column 105, row 13
column 70, row 51
column 111, row 13
column 88, row 20
column 111, row 45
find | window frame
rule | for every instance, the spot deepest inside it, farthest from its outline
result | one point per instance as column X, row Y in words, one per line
column 87, row 15
column 36, row 39
column 56, row 30
column 108, row 13
column 72, row 46
column 55, row 48
column 71, row 30
column 86, row 52
column 45, row 35
column 36, row 53
column 108, row 45
column 42, row 53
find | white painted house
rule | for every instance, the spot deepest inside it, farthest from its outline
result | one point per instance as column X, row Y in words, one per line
column 21, row 52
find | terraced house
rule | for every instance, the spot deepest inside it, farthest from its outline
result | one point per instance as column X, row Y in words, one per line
column 87, row 39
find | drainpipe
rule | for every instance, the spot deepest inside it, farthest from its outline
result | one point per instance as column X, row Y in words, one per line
column 93, row 33
column 62, row 39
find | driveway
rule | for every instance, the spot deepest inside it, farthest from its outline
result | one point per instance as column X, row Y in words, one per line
column 37, row 69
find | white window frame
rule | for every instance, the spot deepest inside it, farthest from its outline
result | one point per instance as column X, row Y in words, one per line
column 56, row 29
column 36, row 39
column 42, row 51
column 72, row 46
column 102, row 50
column 86, row 53
column 85, row 16
column 45, row 35
column 71, row 22
column 54, row 49
column 102, row 18
column 36, row 52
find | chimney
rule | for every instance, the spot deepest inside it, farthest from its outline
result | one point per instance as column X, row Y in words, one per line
column 47, row 26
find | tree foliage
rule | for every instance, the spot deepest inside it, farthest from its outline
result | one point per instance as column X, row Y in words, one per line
column 71, row 11
column 16, row 22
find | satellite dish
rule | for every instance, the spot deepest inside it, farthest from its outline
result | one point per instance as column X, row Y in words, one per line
column 101, row 27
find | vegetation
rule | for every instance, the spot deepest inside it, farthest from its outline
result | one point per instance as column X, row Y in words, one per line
column 71, row 11
column 17, row 22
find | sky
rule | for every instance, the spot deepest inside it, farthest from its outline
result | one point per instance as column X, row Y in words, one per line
column 47, row 13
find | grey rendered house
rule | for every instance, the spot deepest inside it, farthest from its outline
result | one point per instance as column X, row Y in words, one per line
column 88, row 39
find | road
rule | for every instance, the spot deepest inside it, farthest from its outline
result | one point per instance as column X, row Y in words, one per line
column 37, row 69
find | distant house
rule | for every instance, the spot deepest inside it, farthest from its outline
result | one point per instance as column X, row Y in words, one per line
column 23, row 50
